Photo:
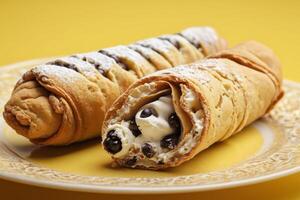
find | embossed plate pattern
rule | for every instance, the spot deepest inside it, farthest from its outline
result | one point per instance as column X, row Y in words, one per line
column 279, row 156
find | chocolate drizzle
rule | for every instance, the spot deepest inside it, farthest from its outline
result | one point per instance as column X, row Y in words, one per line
column 116, row 58
column 65, row 64
column 141, row 54
column 158, row 52
column 194, row 43
column 96, row 65
column 176, row 44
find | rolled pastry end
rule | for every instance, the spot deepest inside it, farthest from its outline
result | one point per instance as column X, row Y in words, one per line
column 168, row 117
column 31, row 113
column 40, row 109
column 156, row 131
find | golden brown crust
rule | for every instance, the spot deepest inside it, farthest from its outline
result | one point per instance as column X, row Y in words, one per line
column 258, row 57
column 204, row 38
column 231, row 90
column 75, row 92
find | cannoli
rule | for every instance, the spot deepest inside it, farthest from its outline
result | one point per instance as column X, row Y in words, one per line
column 65, row 100
column 168, row 117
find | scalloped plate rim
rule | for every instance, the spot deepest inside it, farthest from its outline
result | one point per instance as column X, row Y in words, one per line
column 145, row 190
column 141, row 190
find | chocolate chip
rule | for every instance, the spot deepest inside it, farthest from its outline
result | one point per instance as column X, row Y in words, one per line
column 131, row 161
column 174, row 121
column 170, row 141
column 161, row 162
column 147, row 112
column 147, row 150
column 112, row 142
column 134, row 128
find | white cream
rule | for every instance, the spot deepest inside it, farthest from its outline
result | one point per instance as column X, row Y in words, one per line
column 125, row 136
column 154, row 128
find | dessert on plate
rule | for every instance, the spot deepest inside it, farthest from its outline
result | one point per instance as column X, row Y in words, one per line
column 65, row 100
column 168, row 117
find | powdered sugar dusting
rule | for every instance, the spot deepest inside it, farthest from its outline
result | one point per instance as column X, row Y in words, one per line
column 185, row 72
column 157, row 44
column 125, row 52
column 151, row 55
column 174, row 39
column 198, row 34
column 148, row 47
column 103, row 61
column 69, row 75
column 147, row 52
column 84, row 67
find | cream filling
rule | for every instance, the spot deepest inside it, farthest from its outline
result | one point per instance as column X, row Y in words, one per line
column 125, row 136
column 154, row 129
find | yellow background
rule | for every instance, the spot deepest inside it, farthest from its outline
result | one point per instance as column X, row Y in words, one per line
column 33, row 29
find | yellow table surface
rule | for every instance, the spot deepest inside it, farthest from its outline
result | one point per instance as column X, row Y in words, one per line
column 33, row 29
